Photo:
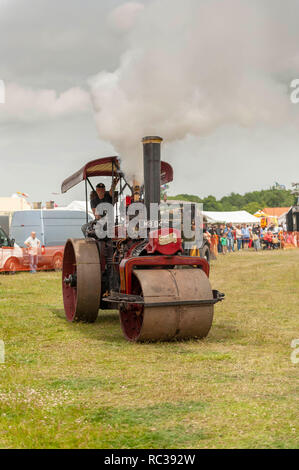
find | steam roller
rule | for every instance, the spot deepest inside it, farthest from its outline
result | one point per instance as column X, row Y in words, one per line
column 161, row 292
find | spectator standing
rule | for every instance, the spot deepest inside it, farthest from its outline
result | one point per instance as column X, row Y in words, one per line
column 214, row 240
column 223, row 241
column 256, row 238
column 239, row 237
column 33, row 244
column 220, row 232
column 250, row 237
column 230, row 239
column 245, row 236
column 281, row 237
column 261, row 235
column 207, row 236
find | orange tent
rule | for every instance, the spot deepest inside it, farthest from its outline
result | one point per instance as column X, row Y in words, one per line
column 276, row 211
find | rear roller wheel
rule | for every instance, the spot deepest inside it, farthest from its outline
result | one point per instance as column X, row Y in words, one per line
column 81, row 280
column 162, row 323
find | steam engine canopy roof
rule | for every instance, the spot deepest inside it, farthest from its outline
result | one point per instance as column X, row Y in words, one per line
column 106, row 167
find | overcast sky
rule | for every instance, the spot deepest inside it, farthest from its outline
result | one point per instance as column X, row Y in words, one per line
column 131, row 55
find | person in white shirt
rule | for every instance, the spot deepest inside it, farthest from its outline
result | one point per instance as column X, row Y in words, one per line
column 239, row 237
column 33, row 244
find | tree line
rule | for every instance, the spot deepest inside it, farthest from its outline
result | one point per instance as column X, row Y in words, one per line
column 250, row 202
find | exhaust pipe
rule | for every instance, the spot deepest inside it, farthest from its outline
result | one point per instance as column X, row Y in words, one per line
column 151, row 170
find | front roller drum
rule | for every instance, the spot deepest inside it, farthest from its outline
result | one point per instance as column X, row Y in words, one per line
column 81, row 280
column 167, row 322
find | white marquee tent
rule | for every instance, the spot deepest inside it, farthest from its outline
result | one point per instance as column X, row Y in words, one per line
column 76, row 206
column 234, row 217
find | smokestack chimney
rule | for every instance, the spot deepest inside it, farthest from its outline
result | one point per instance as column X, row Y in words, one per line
column 151, row 170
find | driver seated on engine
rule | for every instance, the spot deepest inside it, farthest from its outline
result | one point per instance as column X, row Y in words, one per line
column 98, row 197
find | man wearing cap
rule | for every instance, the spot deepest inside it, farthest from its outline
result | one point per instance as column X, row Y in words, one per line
column 99, row 196
column 102, row 196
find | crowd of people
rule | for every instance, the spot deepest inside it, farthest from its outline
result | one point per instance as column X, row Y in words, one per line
column 227, row 238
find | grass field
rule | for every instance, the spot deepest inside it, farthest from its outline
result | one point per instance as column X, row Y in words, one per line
column 83, row 386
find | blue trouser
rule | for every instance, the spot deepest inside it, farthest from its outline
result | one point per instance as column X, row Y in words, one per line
column 230, row 244
column 239, row 243
column 33, row 260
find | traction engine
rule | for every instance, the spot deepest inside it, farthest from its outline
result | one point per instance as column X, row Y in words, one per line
column 160, row 293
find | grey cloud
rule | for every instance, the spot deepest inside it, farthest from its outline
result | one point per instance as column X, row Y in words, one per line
column 192, row 67
column 58, row 45
column 26, row 104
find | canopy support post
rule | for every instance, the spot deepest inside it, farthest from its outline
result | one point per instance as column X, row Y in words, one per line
column 113, row 195
column 86, row 202
column 87, row 179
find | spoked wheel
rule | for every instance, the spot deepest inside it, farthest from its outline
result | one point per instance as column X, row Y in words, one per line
column 81, row 280
column 162, row 322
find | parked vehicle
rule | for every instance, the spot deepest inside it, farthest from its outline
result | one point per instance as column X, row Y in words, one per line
column 52, row 227
column 11, row 255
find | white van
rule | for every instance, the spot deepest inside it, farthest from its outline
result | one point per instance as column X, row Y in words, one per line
column 52, row 228
column 11, row 255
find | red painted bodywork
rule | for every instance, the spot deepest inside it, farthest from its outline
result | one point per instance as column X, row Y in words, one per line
column 166, row 173
column 172, row 248
column 46, row 256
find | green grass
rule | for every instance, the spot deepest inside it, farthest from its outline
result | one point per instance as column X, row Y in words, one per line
column 83, row 386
